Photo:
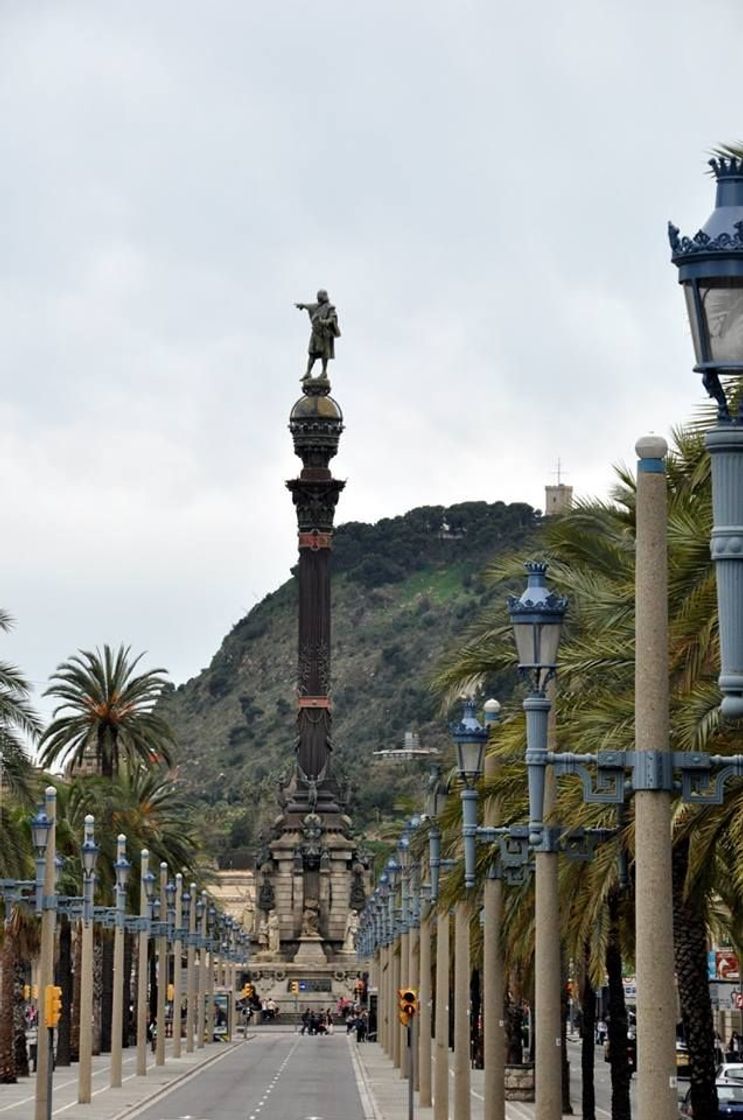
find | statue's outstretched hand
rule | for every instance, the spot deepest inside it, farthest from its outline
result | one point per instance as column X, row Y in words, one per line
column 300, row 306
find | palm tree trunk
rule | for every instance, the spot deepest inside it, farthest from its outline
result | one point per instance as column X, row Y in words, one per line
column 567, row 1105
column 107, row 991
column 97, row 990
column 7, row 1000
column 690, row 946
column 19, row 1022
column 77, row 983
column 588, row 1039
column 618, row 1054
column 126, row 1033
column 64, row 979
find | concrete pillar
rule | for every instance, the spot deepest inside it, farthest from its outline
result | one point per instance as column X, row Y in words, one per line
column 117, row 1008
column 441, row 1050
column 403, row 983
column 162, row 970
column 177, row 970
column 462, row 1011
column 143, row 939
column 413, row 978
column 201, row 983
column 396, row 1025
column 656, row 995
column 424, row 1032
column 548, row 1053
column 85, row 1070
column 191, row 973
column 493, row 983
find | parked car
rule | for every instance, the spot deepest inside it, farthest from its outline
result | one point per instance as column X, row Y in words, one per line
column 730, row 1071
column 729, row 1101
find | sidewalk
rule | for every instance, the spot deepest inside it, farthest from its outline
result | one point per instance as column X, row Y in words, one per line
column 17, row 1101
column 387, row 1092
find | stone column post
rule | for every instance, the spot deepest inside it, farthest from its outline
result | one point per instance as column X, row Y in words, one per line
column 656, row 993
column 462, row 1011
column 494, row 1038
column 424, row 1033
column 441, row 1050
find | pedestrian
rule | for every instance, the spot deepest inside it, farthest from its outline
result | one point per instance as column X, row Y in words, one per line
column 361, row 1027
column 329, row 1025
column 305, row 1021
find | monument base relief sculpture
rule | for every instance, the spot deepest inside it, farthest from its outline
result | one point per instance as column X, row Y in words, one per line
column 311, row 879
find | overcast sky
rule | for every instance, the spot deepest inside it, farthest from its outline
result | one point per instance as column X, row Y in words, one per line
column 482, row 187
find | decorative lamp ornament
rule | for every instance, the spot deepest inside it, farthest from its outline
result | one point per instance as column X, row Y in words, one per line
column 40, row 825
column 536, row 616
column 89, row 856
column 470, row 738
column 710, row 268
column 122, row 867
column 149, row 885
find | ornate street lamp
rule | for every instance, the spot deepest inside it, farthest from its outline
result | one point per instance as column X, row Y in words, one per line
column 710, row 268
column 536, row 617
column 470, row 739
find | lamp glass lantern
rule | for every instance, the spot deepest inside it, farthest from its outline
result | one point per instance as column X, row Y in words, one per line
column 470, row 739
column 89, row 856
column 186, row 907
column 536, row 617
column 40, row 825
column 710, row 268
column 149, row 885
column 122, row 867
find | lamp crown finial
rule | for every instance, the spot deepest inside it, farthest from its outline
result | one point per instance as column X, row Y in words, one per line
column 726, row 167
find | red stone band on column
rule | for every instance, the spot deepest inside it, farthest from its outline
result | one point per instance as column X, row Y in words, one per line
column 315, row 540
column 313, row 701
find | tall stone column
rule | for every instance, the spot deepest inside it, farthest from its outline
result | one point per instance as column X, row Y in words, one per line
column 494, row 1038
column 441, row 1064
column 656, row 993
column 424, row 1032
column 403, row 983
column 462, row 1011
column 316, row 423
column 413, row 939
column 397, row 1027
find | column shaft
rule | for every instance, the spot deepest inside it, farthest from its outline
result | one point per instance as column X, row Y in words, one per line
column 656, row 994
column 462, row 1011
column 441, row 1050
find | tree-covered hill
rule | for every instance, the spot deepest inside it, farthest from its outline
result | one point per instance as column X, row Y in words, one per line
column 403, row 591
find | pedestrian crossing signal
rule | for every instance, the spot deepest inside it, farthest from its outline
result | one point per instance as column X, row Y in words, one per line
column 52, row 1005
column 407, row 1001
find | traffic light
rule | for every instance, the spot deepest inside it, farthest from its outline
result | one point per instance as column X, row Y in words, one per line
column 294, row 987
column 27, row 992
column 248, row 991
column 407, row 1000
column 52, row 1005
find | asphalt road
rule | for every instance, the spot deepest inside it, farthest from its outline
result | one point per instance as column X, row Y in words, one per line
column 271, row 1077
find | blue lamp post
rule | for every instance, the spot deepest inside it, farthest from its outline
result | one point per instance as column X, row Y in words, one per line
column 710, row 268
column 536, row 617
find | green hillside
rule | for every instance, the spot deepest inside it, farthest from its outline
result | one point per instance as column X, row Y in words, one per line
column 403, row 591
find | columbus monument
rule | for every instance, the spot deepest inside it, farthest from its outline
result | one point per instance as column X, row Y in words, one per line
column 311, row 881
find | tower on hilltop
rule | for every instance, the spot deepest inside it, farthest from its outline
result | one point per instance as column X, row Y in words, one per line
column 558, row 498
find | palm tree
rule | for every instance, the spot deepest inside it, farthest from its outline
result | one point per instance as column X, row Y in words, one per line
column 107, row 712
